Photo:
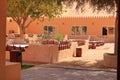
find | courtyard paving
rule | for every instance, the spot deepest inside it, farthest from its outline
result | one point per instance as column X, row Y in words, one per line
column 88, row 67
column 54, row 73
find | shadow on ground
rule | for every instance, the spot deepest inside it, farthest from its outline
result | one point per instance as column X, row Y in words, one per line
column 80, row 63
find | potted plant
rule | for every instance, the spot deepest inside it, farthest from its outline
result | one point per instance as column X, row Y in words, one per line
column 59, row 37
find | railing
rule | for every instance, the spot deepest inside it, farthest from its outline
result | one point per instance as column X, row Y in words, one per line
column 64, row 45
column 94, row 44
column 61, row 44
column 79, row 42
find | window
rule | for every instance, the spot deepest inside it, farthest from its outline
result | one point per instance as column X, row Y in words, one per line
column 111, row 30
column 49, row 29
column 108, row 30
column 79, row 30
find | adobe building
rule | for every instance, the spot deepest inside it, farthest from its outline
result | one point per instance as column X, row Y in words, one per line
column 99, row 26
column 69, row 26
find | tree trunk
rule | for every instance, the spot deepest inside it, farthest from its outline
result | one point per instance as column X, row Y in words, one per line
column 22, row 31
column 118, row 47
column 117, row 29
column 116, row 35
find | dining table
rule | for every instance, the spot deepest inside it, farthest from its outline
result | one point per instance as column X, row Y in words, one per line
column 15, row 51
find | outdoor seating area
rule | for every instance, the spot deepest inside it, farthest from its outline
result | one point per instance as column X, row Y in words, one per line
column 46, row 51
column 59, row 39
column 50, row 50
column 94, row 44
column 74, row 49
column 60, row 44
column 55, row 53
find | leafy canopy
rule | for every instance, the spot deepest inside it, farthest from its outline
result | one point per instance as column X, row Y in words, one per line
column 97, row 5
column 33, row 8
column 22, row 10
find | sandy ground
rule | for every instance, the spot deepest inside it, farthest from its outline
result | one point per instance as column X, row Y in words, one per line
column 93, row 57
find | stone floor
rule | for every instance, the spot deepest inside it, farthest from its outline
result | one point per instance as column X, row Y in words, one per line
column 55, row 73
column 88, row 67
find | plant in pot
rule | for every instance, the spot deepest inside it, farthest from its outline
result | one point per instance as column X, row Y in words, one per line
column 45, row 38
column 59, row 37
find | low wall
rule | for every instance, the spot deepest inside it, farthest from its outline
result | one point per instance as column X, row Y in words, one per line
column 40, row 53
column 49, row 53
column 64, row 54
column 106, row 39
column 74, row 45
column 83, row 37
column 12, row 71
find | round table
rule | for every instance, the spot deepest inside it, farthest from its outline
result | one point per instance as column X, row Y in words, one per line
column 16, row 51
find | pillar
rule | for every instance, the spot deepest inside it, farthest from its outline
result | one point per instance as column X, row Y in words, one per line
column 2, row 38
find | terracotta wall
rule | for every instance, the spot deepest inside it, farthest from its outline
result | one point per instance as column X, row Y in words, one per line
column 107, row 39
column 13, row 71
column 11, row 25
column 38, row 53
column 63, row 24
column 2, row 38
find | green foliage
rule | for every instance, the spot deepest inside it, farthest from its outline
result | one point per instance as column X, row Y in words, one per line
column 33, row 8
column 26, row 66
column 59, row 37
column 108, row 5
column 22, row 10
column 97, row 5
column 46, row 36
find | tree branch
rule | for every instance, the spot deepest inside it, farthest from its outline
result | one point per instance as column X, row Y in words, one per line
column 16, row 19
column 24, row 19
column 29, row 23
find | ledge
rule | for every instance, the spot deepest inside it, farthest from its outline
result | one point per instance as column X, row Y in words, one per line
column 11, row 69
